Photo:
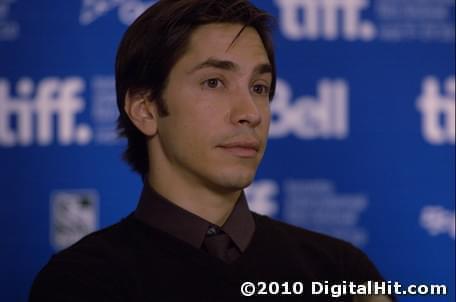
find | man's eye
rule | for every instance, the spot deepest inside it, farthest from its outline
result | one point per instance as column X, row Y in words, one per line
column 212, row 83
column 260, row 89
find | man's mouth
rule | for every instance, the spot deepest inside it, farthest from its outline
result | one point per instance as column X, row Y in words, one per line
column 244, row 148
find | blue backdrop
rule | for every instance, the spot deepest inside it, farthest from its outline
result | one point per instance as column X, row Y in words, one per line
column 361, row 146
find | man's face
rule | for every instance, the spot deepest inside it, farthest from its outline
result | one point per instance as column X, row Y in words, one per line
column 218, row 102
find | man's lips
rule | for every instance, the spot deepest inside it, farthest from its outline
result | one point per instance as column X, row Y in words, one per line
column 242, row 148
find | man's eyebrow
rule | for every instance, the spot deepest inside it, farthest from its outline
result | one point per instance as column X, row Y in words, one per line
column 263, row 68
column 216, row 63
column 230, row 66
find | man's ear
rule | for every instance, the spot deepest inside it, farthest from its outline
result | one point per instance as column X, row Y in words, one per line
column 142, row 112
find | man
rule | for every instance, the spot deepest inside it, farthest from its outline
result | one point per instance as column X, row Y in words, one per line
column 194, row 82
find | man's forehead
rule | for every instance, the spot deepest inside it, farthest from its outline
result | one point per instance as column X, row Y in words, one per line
column 224, row 44
column 224, row 32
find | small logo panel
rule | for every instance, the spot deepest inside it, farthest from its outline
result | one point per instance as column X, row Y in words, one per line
column 437, row 220
column 74, row 214
column 9, row 28
column 262, row 197
column 127, row 10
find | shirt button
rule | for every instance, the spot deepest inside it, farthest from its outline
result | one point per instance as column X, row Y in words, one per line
column 212, row 230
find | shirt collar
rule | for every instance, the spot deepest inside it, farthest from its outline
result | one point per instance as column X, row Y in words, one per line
column 161, row 213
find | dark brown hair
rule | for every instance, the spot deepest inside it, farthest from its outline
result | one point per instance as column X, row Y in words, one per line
column 153, row 44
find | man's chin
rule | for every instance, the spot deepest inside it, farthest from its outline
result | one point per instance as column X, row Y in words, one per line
column 232, row 178
column 237, row 183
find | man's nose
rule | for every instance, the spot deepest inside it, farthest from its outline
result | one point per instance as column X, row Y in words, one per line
column 245, row 110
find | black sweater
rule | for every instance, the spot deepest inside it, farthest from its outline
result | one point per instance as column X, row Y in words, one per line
column 131, row 261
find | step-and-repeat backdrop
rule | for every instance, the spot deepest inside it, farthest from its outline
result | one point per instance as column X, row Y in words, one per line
column 362, row 140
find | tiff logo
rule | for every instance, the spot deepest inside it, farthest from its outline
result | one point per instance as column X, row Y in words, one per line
column 29, row 117
column 324, row 116
column 437, row 111
column 325, row 19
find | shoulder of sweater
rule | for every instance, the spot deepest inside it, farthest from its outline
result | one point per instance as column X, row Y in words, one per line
column 307, row 239
column 97, row 260
column 89, row 266
column 98, row 247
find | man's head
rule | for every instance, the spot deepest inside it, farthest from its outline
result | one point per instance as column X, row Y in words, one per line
column 172, row 45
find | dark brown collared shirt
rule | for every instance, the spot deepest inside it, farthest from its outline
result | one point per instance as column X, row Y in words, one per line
column 158, row 212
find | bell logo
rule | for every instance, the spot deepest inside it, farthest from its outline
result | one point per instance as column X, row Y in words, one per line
column 314, row 19
column 29, row 117
column 324, row 116
column 437, row 111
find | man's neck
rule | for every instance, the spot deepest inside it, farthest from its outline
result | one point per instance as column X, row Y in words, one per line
column 213, row 206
